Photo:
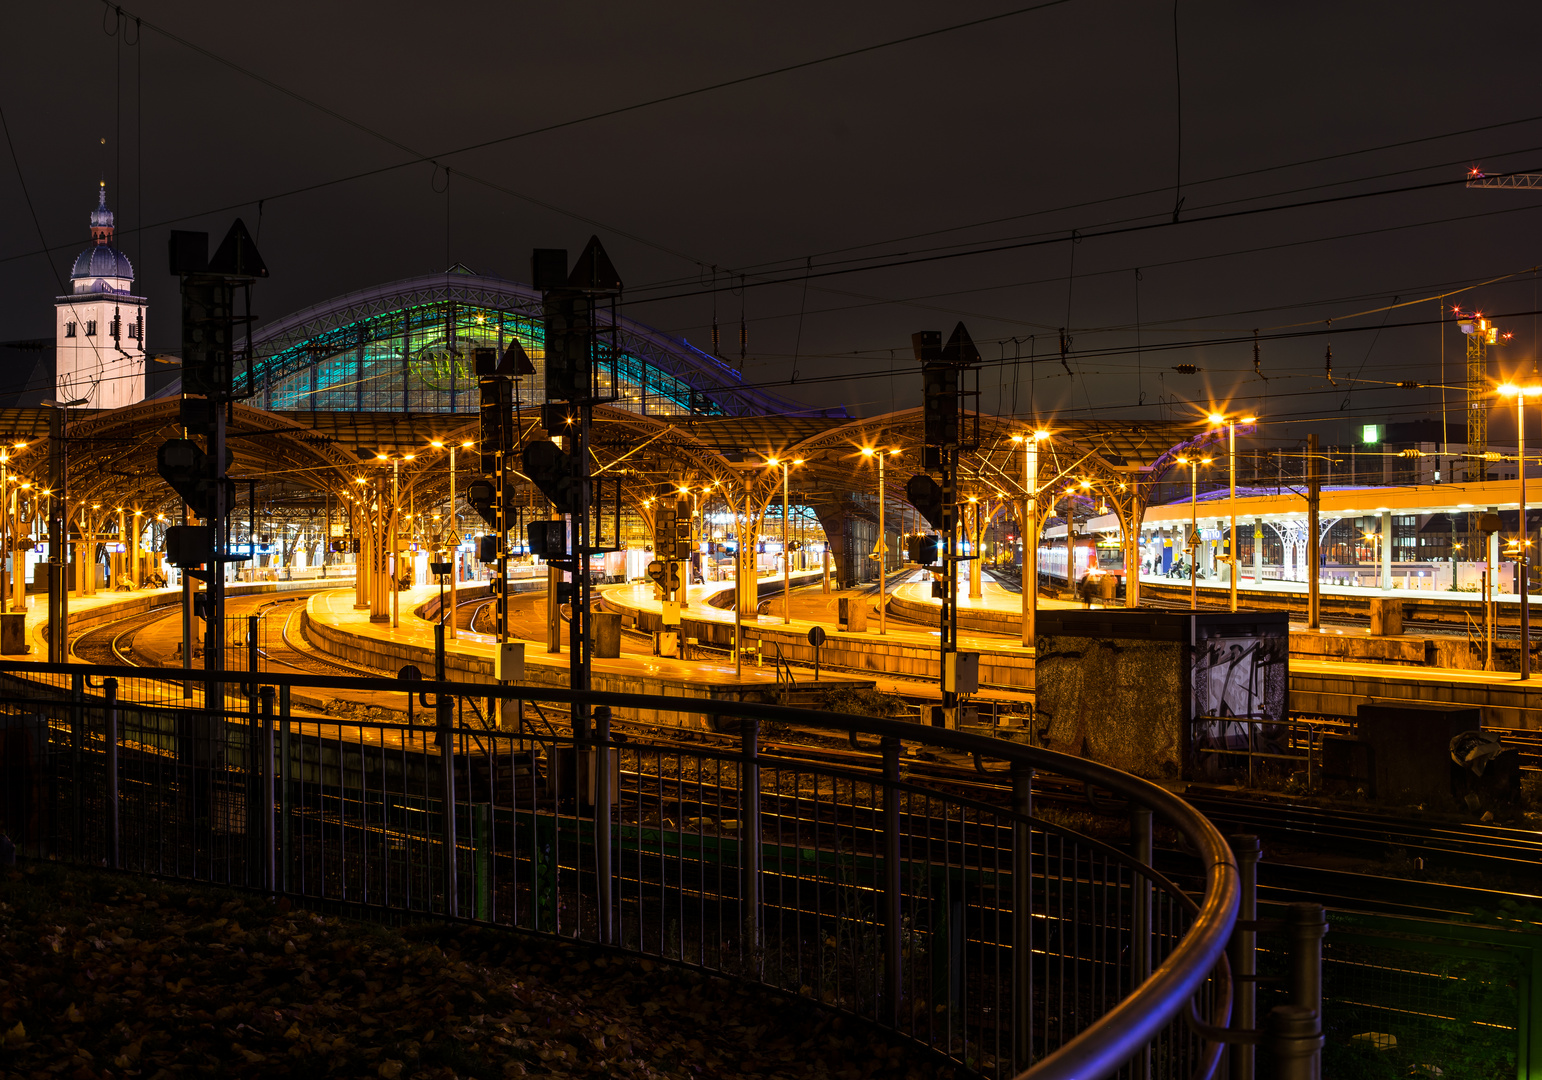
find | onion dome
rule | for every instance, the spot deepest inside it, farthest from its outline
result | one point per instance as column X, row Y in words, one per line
column 101, row 260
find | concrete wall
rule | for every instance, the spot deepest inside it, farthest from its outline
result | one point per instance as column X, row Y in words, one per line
column 1119, row 703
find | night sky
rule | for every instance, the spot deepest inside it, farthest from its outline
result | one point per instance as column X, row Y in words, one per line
column 1011, row 133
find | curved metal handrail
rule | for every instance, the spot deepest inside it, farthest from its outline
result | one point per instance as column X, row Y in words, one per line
column 1099, row 1050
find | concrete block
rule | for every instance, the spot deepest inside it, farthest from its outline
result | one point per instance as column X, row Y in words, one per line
column 853, row 614
column 607, row 634
column 13, row 633
column 1386, row 616
column 1410, row 744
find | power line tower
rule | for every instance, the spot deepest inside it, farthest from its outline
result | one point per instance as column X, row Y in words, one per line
column 1481, row 333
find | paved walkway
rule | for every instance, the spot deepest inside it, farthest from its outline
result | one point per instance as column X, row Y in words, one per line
column 336, row 609
column 813, row 608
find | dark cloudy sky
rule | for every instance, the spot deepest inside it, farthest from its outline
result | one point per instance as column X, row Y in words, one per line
column 1021, row 129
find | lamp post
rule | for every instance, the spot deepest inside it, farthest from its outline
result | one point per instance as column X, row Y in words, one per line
column 1520, row 393
column 393, row 556
column 883, row 538
column 1193, row 464
column 1029, row 527
column 454, row 526
column 786, row 552
column 1231, row 454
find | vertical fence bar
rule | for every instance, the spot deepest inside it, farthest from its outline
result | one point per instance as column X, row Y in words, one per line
column 114, row 854
column 443, row 709
column 1295, row 1035
column 1308, row 925
column 1244, row 957
column 269, row 833
column 284, row 778
column 751, row 853
column 1141, row 838
column 1022, row 918
column 892, row 929
column 77, row 746
column 604, row 876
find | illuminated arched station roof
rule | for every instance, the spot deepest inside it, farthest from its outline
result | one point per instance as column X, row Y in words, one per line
column 407, row 346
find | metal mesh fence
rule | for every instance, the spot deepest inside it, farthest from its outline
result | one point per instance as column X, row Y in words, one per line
column 983, row 932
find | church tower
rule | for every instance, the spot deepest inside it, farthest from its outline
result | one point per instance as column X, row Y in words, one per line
column 99, row 334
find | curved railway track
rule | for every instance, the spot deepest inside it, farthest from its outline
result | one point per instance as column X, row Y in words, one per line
column 1298, row 830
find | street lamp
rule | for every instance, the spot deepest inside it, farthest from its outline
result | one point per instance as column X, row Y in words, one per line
column 1520, row 394
column 1216, row 420
column 1193, row 464
column 453, row 540
column 1029, row 528
column 787, row 552
column 883, row 539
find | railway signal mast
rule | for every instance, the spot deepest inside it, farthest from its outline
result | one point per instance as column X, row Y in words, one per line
column 200, row 474
column 950, row 429
column 579, row 346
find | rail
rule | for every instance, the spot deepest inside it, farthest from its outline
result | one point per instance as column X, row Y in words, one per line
column 971, row 924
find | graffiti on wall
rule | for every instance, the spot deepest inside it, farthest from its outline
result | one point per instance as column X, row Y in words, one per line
column 1242, row 676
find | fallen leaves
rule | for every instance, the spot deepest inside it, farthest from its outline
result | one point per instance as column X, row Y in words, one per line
column 182, row 980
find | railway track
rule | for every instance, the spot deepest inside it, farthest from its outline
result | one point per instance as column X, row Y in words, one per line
column 1300, row 832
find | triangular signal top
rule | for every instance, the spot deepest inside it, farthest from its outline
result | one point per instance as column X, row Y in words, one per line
column 515, row 361
column 594, row 271
column 237, row 255
column 960, row 348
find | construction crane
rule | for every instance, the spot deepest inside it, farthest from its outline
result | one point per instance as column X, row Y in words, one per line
column 1476, row 178
column 1481, row 333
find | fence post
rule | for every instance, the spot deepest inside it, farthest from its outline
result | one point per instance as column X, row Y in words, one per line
column 602, row 838
column 77, row 743
column 1295, row 1035
column 443, row 710
column 283, row 786
column 1243, row 954
column 1140, row 922
column 256, row 808
column 1022, row 917
column 750, row 851
column 114, row 852
column 1308, row 925
column 269, row 833
column 892, row 975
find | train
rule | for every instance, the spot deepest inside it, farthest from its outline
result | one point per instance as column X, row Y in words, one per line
column 1088, row 557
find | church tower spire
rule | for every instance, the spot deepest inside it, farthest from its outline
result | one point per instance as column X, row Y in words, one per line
column 101, row 217
column 99, row 345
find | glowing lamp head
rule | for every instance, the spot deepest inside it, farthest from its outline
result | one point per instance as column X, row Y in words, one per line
column 1216, row 418
column 685, row 491
column 1040, row 435
column 1250, row 420
column 437, row 444
column 772, row 462
column 867, row 451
